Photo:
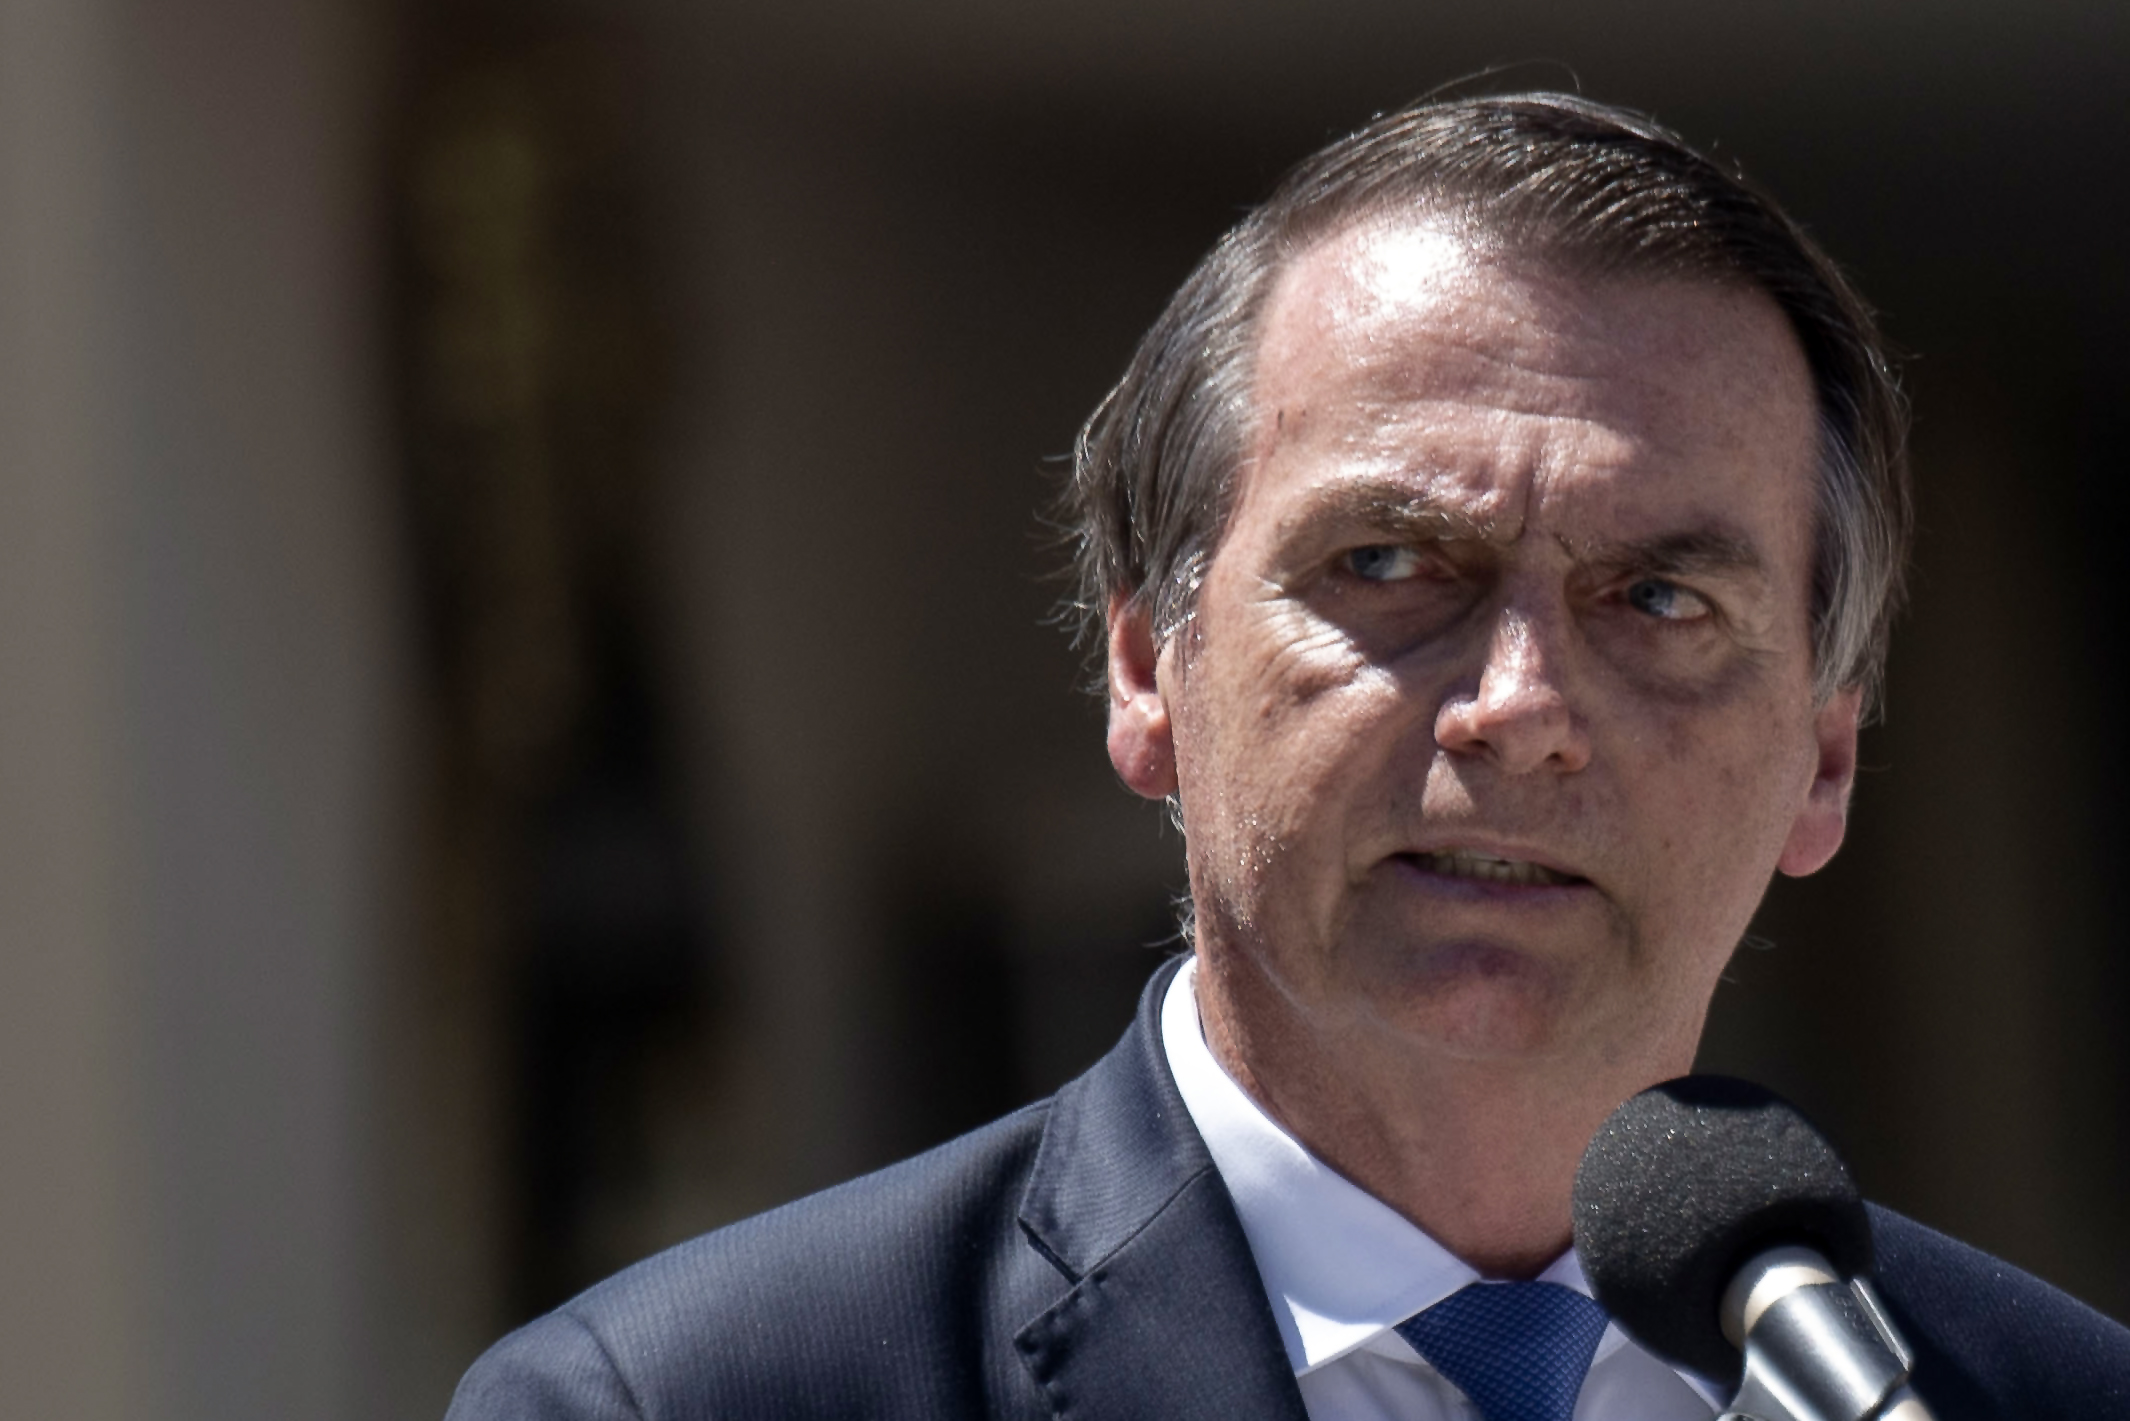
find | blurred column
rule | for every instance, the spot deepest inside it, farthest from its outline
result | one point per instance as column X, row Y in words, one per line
column 70, row 1341
column 196, row 719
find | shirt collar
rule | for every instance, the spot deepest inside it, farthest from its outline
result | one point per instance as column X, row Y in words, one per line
column 1341, row 1266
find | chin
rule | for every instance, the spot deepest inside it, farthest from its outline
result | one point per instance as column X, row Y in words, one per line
column 1480, row 1001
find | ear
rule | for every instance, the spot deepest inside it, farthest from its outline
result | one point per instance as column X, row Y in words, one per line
column 1141, row 745
column 1818, row 828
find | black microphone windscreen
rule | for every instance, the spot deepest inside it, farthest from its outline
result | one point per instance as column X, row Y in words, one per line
column 1684, row 1185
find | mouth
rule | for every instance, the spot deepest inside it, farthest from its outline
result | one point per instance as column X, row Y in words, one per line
column 1491, row 868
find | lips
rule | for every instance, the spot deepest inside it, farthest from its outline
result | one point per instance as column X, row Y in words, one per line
column 1492, row 868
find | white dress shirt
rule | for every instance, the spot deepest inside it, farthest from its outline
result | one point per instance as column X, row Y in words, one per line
column 1343, row 1268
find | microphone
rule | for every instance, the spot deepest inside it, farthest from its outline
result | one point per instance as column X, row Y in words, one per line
column 1723, row 1233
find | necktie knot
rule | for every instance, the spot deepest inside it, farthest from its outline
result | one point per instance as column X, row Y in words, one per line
column 1518, row 1351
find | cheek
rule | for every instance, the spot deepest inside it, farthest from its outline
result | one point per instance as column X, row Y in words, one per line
column 1266, row 688
column 1720, row 799
column 1291, row 658
column 1281, row 752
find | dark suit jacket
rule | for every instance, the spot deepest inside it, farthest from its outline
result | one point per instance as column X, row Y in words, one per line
column 1081, row 1258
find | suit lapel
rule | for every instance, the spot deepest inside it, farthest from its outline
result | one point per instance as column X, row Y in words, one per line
column 1165, row 1314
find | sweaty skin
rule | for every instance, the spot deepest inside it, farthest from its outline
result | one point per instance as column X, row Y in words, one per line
column 1496, row 713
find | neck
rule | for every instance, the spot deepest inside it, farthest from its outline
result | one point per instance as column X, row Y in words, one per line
column 1481, row 1154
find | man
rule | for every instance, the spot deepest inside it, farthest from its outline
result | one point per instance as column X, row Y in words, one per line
column 1493, row 545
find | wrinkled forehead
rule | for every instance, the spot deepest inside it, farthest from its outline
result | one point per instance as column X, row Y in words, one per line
column 1359, row 298
column 1394, row 343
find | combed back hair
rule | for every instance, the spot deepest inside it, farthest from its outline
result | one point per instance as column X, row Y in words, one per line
column 1596, row 191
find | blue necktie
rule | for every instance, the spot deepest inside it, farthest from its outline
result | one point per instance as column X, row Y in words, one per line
column 1517, row 1350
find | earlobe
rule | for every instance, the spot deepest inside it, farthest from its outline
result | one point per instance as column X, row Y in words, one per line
column 1820, row 824
column 1141, row 745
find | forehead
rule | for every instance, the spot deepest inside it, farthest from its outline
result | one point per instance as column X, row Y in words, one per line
column 1401, row 350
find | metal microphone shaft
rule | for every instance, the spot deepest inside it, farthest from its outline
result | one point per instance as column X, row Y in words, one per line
column 1816, row 1348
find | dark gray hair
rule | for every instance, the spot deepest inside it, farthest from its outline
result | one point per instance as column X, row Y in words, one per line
column 1600, row 190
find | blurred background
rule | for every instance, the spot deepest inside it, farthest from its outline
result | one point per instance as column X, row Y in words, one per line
column 528, row 724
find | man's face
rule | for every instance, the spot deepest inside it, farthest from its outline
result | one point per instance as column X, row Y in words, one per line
column 1496, row 714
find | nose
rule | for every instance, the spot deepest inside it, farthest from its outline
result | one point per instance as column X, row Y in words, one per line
column 1518, row 715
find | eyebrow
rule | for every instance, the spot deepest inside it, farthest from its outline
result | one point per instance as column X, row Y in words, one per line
column 1394, row 509
column 1714, row 548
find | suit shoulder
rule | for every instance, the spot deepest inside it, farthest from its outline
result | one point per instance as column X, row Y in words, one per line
column 840, row 1242
column 552, row 1369
column 1993, row 1340
column 907, row 1282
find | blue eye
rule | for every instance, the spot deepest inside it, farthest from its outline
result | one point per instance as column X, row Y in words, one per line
column 1655, row 597
column 1383, row 562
